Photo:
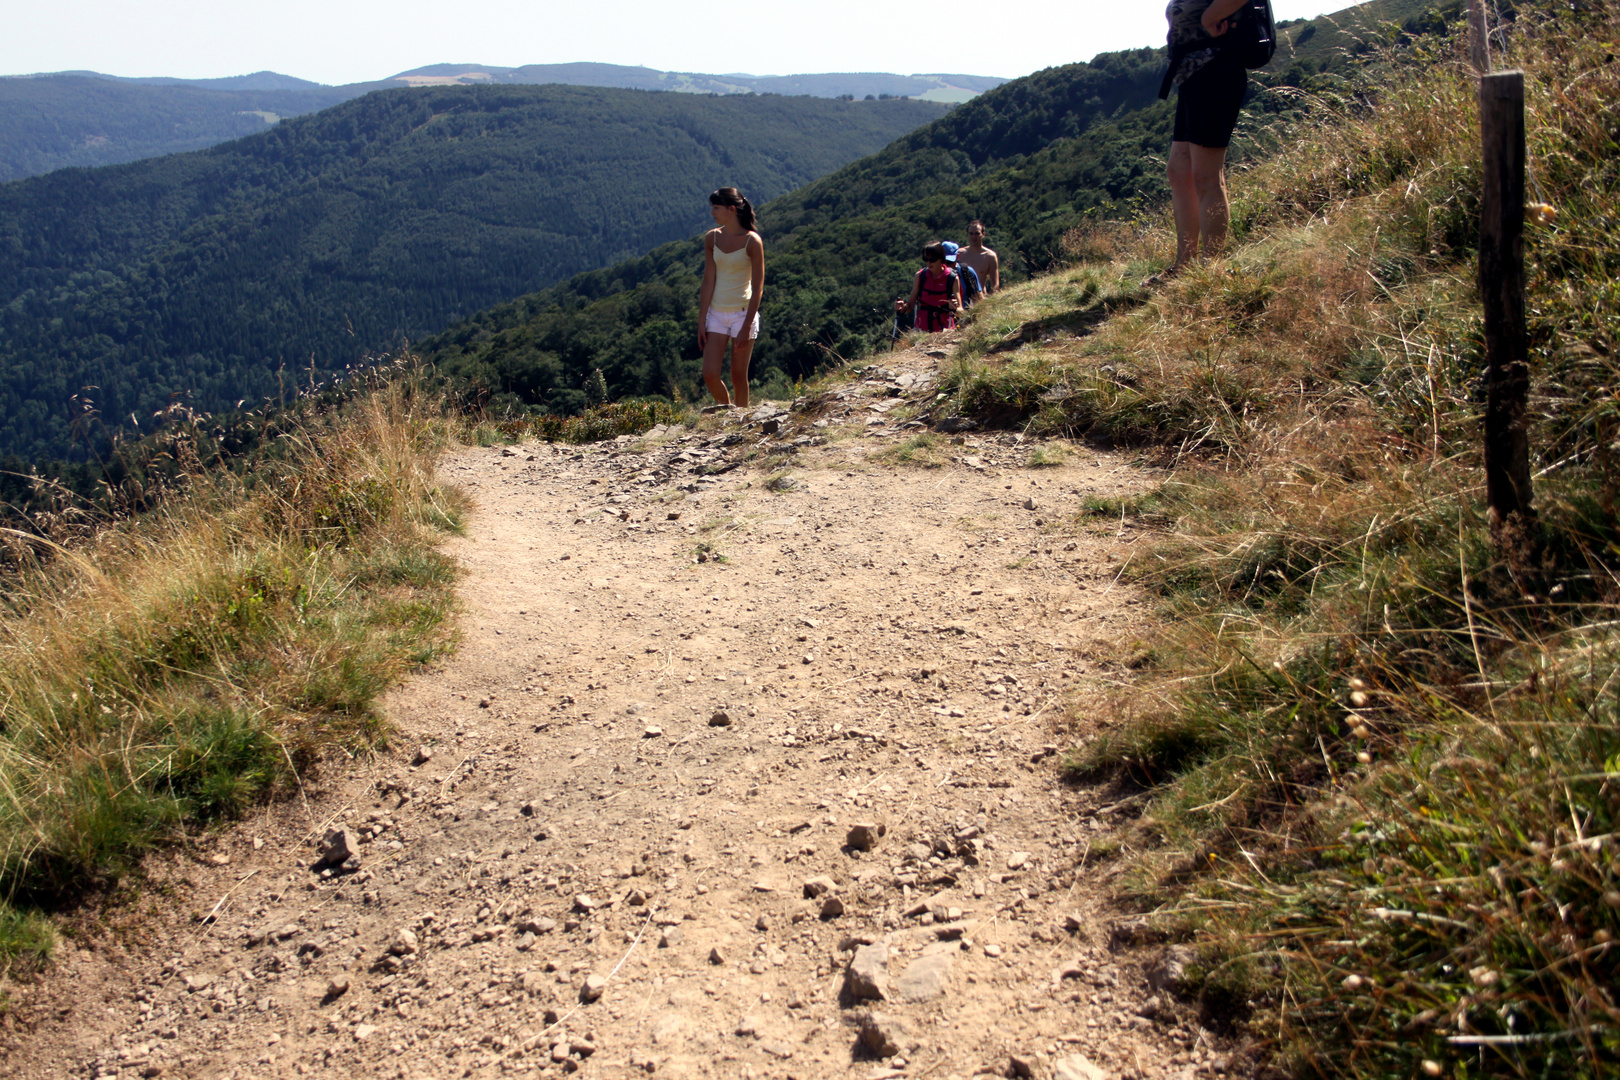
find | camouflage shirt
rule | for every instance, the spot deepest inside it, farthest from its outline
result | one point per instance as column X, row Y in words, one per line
column 1186, row 30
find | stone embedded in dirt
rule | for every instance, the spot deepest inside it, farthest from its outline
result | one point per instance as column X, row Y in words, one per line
column 883, row 1034
column 1021, row 1065
column 1078, row 1067
column 423, row 755
column 592, row 988
column 747, row 1026
column 363, row 1032
column 992, row 951
column 1018, row 860
column 583, row 902
column 819, row 886
column 652, row 732
column 832, row 908
column 717, row 955
column 337, row 987
column 1170, row 970
column 777, row 1049
column 403, row 943
column 200, row 981
column 925, row 978
column 720, row 719
column 1073, row 924
column 635, row 898
column 528, row 809
column 867, row 977
column 670, row 937
column 1029, row 503
column 532, row 982
column 864, row 836
column 338, row 846
column 763, row 922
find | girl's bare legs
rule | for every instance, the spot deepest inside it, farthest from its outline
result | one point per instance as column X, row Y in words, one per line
column 714, row 351
column 742, row 350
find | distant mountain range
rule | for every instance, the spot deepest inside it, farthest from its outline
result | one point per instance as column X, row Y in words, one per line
column 84, row 118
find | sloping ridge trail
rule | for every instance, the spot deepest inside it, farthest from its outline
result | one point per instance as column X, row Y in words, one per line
column 741, row 769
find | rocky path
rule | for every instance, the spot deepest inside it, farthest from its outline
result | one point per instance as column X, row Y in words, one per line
column 745, row 767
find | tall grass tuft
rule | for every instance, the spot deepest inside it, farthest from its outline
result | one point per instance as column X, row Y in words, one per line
column 177, row 667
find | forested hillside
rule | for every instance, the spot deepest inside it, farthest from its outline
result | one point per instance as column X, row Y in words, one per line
column 1033, row 158
column 67, row 121
column 377, row 221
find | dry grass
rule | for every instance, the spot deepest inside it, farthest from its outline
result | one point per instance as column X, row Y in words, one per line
column 177, row 667
column 1379, row 751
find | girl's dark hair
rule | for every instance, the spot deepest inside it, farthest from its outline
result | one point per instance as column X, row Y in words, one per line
column 730, row 196
column 934, row 252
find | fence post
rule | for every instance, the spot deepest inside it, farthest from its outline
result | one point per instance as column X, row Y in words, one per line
column 1479, row 56
column 1501, row 290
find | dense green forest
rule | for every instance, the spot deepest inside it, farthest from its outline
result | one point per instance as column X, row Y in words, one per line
column 80, row 121
column 236, row 272
column 1032, row 158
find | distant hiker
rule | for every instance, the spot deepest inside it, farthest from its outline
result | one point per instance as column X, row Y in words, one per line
column 1210, row 82
column 966, row 276
column 936, row 294
column 733, row 282
column 981, row 259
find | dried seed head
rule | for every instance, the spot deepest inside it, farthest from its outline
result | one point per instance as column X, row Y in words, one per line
column 1358, row 684
column 1431, row 1068
column 1353, row 983
column 1485, row 976
column 1612, row 898
column 1359, row 699
column 1360, row 732
column 1364, row 757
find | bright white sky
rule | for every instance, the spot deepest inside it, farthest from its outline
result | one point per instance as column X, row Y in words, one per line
column 343, row 41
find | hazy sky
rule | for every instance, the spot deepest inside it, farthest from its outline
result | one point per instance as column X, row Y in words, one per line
column 342, row 41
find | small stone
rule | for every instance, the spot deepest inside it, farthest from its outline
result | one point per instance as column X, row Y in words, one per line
column 337, row 987
column 992, row 951
column 762, row 923
column 1018, row 860
column 220, row 860
column 364, row 1032
column 338, row 846
column 747, row 1026
column 720, row 719
column 832, row 908
column 925, row 978
column 1078, row 1067
column 819, row 886
column 882, row 1034
column 583, row 902
column 424, row 754
column 717, row 955
column 652, row 732
column 1171, row 968
column 403, row 943
column 777, row 1049
column 670, row 937
column 583, row 1047
column 1021, row 1065
column 1029, row 504
column 593, row 987
column 867, row 976
column 864, row 836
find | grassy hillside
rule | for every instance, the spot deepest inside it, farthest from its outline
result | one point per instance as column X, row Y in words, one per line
column 1365, row 776
column 341, row 234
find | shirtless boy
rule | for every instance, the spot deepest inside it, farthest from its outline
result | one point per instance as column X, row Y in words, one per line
column 981, row 258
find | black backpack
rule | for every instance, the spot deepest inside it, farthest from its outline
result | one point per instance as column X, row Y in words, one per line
column 1252, row 35
column 969, row 277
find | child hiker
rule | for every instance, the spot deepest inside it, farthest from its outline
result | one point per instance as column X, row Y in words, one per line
column 936, row 293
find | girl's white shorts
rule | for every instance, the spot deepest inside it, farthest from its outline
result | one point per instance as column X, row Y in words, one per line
column 730, row 324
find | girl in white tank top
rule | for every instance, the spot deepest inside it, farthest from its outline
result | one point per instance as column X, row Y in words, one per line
column 728, row 306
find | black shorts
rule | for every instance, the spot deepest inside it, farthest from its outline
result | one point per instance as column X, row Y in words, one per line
column 1207, row 104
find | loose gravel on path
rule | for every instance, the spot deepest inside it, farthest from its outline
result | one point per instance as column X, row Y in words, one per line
column 745, row 767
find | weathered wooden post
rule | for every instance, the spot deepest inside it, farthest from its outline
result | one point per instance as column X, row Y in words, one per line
column 1501, row 289
column 1479, row 56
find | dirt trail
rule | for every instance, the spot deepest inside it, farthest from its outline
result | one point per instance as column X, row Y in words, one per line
column 635, row 763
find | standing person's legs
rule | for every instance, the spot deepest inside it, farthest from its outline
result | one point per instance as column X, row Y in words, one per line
column 1207, row 108
column 1183, row 203
column 742, row 350
column 714, row 352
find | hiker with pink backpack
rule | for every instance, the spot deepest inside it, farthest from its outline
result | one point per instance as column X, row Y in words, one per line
column 936, row 292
